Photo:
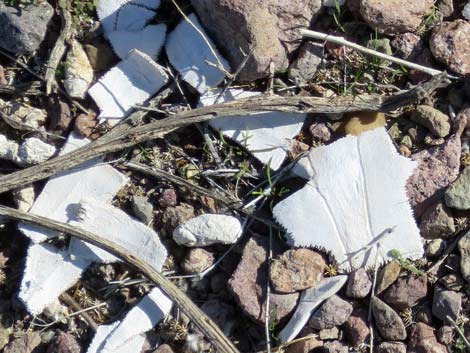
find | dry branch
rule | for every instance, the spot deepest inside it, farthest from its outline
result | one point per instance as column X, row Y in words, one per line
column 127, row 136
column 201, row 320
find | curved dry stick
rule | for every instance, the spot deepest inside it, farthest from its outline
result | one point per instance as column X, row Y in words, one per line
column 201, row 320
column 127, row 136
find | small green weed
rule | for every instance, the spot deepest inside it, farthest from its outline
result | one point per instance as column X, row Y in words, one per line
column 406, row 264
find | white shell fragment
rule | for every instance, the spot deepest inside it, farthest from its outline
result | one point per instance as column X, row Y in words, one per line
column 24, row 197
column 190, row 54
column 310, row 299
column 125, row 15
column 354, row 202
column 48, row 273
column 131, row 82
column 78, row 71
column 64, row 191
column 148, row 41
column 134, row 344
column 116, row 226
column 208, row 229
column 31, row 151
column 266, row 135
column 153, row 308
column 24, row 114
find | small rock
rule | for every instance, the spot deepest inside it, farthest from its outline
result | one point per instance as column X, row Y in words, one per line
column 248, row 283
column 333, row 312
column 197, row 260
column 64, row 343
column 25, row 114
column 424, row 314
column 435, row 248
column 391, row 347
column 305, row 346
column 388, row 275
column 452, row 281
column 23, row 31
column 208, row 229
column 60, row 116
column 394, row 17
column 56, row 311
column 423, row 340
column 34, row 151
column 335, row 347
column 168, row 198
column 445, row 8
column 359, row 284
column 268, row 26
column 433, row 119
column 142, row 208
column 24, row 197
column 164, row 348
column 329, row 334
column 437, row 222
column 458, row 194
column 100, row 55
column 78, row 71
column 24, row 344
column 358, row 122
column 85, row 124
column 407, row 291
column 408, row 45
column 388, row 322
column 446, row 303
column 296, row 269
column 320, row 131
column 437, row 167
column 305, row 66
column 174, row 216
column 445, row 335
column 356, row 328
column 450, row 44
column 466, row 11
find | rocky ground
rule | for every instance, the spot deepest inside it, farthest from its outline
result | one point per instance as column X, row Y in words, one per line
column 419, row 306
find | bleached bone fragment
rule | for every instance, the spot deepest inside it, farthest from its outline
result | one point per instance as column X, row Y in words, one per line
column 131, row 82
column 64, row 191
column 118, row 227
column 48, row 273
column 310, row 299
column 31, row 117
column 31, row 151
column 125, row 15
column 148, row 41
column 208, row 229
column 153, row 308
column 190, row 54
column 78, row 71
column 357, row 202
column 134, row 344
column 266, row 135
column 24, row 197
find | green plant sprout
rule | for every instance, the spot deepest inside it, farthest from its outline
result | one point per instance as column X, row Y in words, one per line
column 406, row 264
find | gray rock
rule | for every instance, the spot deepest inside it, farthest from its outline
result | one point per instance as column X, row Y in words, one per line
column 466, row 11
column 388, row 322
column 306, row 64
column 22, row 31
column 197, row 260
column 446, row 303
column 458, row 194
column 359, row 284
column 437, row 222
column 208, row 229
column 268, row 26
column 435, row 248
column 142, row 208
column 391, row 347
column 424, row 315
column 445, row 335
column 335, row 347
column 388, row 275
column 334, row 312
column 433, row 119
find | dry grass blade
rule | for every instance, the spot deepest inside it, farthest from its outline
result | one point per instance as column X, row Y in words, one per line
column 201, row 320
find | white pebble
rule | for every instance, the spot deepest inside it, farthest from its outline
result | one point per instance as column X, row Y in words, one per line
column 78, row 72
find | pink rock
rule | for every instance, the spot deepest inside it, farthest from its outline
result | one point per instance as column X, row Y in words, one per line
column 269, row 26
column 450, row 44
column 423, row 340
column 356, row 328
column 65, row 343
column 395, row 16
column 249, row 282
column 406, row 292
column 437, row 168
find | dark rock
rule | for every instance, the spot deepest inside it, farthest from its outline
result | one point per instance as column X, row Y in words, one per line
column 64, row 343
column 407, row 291
column 142, row 208
column 458, row 194
column 424, row 315
column 23, row 30
column 333, row 312
column 100, row 54
column 60, row 116
column 248, row 283
column 437, row 222
column 446, row 303
column 388, row 322
column 296, row 270
column 423, row 340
